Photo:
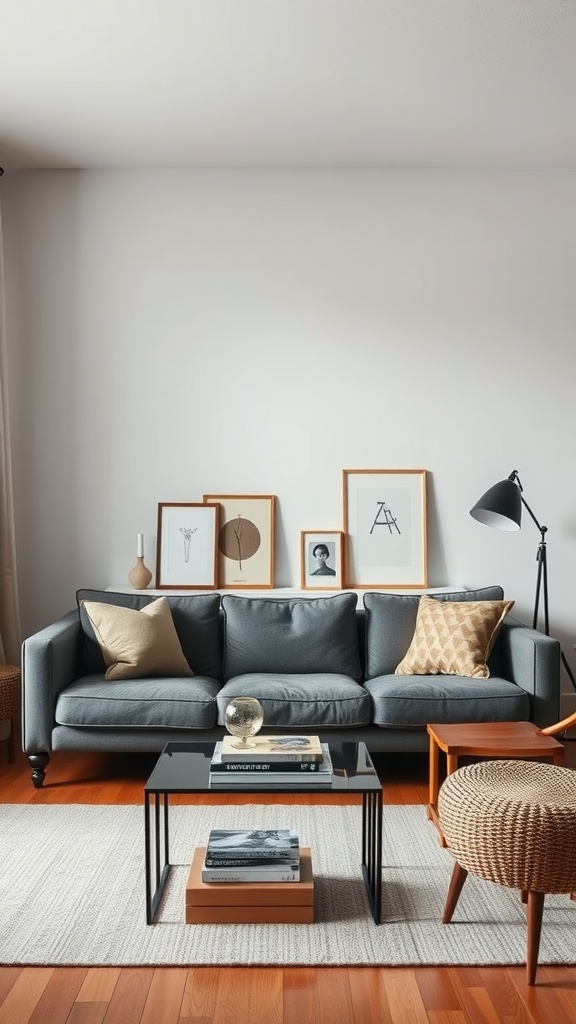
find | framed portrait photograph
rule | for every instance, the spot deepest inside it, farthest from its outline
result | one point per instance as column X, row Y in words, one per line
column 245, row 540
column 385, row 527
column 321, row 559
column 186, row 552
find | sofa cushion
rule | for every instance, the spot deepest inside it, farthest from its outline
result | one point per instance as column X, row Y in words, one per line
column 137, row 643
column 453, row 638
column 413, row 701
column 390, row 621
column 171, row 703
column 301, row 701
column 310, row 635
column 196, row 619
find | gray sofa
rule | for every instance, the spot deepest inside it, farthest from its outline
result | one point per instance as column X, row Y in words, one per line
column 318, row 664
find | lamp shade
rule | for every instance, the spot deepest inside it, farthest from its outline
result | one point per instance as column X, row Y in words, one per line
column 500, row 507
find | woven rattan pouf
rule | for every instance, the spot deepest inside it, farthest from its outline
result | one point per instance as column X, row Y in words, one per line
column 512, row 822
column 10, row 701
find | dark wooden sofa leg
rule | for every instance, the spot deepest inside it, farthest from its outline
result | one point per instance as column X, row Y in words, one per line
column 38, row 763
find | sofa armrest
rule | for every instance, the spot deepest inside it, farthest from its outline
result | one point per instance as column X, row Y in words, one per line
column 49, row 665
column 531, row 659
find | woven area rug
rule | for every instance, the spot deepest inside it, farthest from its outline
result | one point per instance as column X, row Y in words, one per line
column 72, row 893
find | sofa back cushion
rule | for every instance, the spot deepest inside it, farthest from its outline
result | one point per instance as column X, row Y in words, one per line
column 137, row 644
column 391, row 621
column 196, row 619
column 309, row 635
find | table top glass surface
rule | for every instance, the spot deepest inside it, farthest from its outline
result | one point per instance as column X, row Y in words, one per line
column 185, row 768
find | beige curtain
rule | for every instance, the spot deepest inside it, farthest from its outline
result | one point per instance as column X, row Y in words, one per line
column 10, row 637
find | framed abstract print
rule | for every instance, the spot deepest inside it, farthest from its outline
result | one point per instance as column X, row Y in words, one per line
column 245, row 540
column 385, row 527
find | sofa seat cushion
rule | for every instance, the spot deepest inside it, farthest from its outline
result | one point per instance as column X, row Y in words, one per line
column 301, row 702
column 307, row 635
column 166, row 703
column 414, row 701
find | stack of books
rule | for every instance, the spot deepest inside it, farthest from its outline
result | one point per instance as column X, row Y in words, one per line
column 293, row 761
column 252, row 855
column 249, row 902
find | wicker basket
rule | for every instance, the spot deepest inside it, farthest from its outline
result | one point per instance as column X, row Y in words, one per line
column 9, row 691
column 513, row 822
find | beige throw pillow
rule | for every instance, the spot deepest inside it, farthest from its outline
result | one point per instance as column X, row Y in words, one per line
column 141, row 643
column 453, row 638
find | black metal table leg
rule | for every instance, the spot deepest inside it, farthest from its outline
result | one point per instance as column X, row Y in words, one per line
column 372, row 851
column 157, row 854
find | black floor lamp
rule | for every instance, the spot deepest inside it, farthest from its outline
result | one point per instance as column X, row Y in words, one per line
column 501, row 507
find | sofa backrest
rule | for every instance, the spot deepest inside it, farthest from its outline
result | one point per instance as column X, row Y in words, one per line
column 228, row 636
column 390, row 621
column 290, row 636
column 196, row 618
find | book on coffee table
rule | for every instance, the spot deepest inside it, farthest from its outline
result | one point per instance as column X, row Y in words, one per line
column 263, row 764
column 266, row 873
column 270, row 773
column 255, row 843
column 273, row 748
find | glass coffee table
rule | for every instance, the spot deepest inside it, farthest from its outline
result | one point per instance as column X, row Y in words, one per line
column 185, row 768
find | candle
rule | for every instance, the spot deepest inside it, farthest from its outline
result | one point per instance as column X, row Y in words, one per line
column 140, row 545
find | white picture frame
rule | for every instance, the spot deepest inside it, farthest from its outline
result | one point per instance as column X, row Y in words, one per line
column 186, row 553
column 385, row 527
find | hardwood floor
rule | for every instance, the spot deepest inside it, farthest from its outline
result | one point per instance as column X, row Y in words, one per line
column 206, row 995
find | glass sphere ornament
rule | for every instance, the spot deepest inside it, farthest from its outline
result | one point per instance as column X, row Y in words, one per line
column 244, row 717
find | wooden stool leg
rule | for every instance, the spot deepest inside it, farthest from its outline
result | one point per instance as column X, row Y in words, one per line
column 459, row 876
column 433, row 758
column 535, row 911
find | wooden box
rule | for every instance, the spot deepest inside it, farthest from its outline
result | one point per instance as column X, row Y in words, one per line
column 250, row 902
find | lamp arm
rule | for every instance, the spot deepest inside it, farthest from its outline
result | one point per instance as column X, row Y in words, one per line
column 514, row 476
column 543, row 529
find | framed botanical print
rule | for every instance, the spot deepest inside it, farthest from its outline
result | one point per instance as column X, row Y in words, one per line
column 385, row 527
column 186, row 556
column 321, row 560
column 245, row 540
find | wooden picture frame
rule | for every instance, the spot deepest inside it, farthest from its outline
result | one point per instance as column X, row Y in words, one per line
column 245, row 540
column 321, row 569
column 385, row 527
column 186, row 546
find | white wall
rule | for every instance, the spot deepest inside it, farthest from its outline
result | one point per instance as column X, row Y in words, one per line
column 177, row 332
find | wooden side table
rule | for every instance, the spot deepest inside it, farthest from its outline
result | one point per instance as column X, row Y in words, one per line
column 10, row 701
column 508, row 740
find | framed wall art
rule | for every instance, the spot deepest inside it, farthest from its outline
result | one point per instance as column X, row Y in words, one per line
column 186, row 552
column 385, row 526
column 245, row 540
column 321, row 559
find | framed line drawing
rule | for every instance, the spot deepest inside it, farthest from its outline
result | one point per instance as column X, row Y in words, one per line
column 321, row 559
column 385, row 526
column 245, row 540
column 186, row 553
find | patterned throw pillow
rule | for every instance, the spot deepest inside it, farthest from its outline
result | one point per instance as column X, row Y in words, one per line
column 134, row 643
column 453, row 638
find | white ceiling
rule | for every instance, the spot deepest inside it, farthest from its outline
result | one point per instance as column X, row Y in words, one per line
column 288, row 83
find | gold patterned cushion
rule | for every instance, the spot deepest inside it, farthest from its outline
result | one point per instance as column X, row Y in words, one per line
column 134, row 643
column 453, row 638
